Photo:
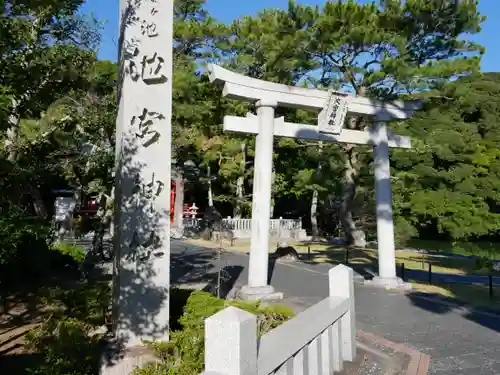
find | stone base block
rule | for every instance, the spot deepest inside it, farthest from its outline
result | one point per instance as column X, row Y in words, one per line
column 301, row 235
column 126, row 361
column 176, row 233
column 388, row 283
column 259, row 293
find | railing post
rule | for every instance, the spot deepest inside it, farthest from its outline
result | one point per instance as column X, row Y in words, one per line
column 341, row 284
column 231, row 342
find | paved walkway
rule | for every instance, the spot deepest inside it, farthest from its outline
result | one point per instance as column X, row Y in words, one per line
column 459, row 342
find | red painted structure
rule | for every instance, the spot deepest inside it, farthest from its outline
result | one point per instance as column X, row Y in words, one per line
column 172, row 201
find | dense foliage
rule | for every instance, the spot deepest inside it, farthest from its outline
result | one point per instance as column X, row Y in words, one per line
column 184, row 354
column 448, row 186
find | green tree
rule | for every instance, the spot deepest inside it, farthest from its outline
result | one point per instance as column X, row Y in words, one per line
column 43, row 47
column 448, row 186
column 387, row 50
column 45, row 51
column 267, row 46
column 197, row 107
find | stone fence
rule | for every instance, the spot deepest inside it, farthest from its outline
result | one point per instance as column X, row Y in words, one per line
column 316, row 341
column 242, row 228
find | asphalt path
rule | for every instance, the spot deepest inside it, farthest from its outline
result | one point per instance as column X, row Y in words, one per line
column 459, row 340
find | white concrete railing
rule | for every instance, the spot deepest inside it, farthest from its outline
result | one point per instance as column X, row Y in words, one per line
column 315, row 342
column 274, row 224
column 242, row 228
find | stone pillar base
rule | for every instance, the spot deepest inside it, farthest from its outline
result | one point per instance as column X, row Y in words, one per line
column 388, row 283
column 176, row 233
column 261, row 293
column 125, row 362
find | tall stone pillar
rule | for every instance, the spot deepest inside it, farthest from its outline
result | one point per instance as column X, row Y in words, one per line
column 142, row 190
column 258, row 287
column 385, row 222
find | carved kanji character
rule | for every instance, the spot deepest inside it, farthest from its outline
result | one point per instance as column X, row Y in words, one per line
column 153, row 242
column 137, row 185
column 142, row 251
column 132, row 68
column 134, row 248
column 149, row 29
column 150, row 189
column 152, row 69
column 145, row 123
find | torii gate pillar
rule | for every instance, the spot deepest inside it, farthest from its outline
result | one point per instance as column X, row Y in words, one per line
column 383, row 198
column 258, row 286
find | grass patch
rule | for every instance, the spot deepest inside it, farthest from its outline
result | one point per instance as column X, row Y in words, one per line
column 490, row 250
column 325, row 253
column 474, row 295
column 322, row 253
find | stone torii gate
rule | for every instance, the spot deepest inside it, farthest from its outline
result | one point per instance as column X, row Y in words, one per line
column 333, row 106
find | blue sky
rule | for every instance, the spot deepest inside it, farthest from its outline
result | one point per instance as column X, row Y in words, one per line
column 227, row 10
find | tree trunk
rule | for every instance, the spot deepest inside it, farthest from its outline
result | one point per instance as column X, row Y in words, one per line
column 179, row 199
column 38, row 203
column 238, row 209
column 104, row 215
column 240, row 184
column 348, row 194
column 12, row 132
column 354, row 236
column 314, row 200
column 314, row 219
column 210, row 195
column 111, row 213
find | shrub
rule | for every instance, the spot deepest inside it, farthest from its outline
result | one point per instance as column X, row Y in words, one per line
column 23, row 248
column 67, row 347
column 74, row 251
column 404, row 231
column 65, row 339
column 184, row 354
column 87, row 302
column 64, row 261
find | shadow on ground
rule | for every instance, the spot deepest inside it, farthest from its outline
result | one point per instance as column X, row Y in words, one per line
column 470, row 286
column 27, row 306
column 437, row 304
column 205, row 269
column 18, row 364
column 464, row 266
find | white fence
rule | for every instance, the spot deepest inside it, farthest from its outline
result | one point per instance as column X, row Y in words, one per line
column 274, row 224
column 315, row 342
column 242, row 228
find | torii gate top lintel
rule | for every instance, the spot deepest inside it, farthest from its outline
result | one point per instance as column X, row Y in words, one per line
column 239, row 86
